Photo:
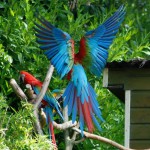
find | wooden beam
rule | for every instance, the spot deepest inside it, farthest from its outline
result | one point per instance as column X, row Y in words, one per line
column 105, row 78
column 140, row 99
column 140, row 115
column 140, row 144
column 137, row 83
column 132, row 79
column 140, row 132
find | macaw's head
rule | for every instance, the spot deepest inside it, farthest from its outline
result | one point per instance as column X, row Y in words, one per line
column 27, row 78
column 22, row 76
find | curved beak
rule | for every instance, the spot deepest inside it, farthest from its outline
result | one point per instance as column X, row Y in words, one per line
column 21, row 78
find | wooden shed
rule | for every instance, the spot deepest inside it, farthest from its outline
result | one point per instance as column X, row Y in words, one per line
column 130, row 82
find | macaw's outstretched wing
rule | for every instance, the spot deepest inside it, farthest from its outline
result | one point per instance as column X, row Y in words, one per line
column 95, row 43
column 58, row 45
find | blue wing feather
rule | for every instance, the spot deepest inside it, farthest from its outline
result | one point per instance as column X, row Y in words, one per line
column 70, row 104
column 96, row 123
column 99, row 40
column 67, row 93
column 58, row 45
column 74, row 110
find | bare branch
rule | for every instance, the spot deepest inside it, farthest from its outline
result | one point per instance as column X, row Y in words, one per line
column 30, row 94
column 18, row 90
column 44, row 87
column 68, row 141
column 75, row 133
column 79, row 141
column 100, row 138
column 37, row 122
column 64, row 125
column 42, row 117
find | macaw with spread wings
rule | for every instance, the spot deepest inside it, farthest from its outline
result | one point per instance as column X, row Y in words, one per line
column 79, row 95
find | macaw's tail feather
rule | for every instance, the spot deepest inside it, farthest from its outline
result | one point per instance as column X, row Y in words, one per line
column 51, row 130
column 85, row 115
column 86, row 109
column 49, row 119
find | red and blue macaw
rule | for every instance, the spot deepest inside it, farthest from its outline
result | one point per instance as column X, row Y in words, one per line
column 79, row 95
column 49, row 103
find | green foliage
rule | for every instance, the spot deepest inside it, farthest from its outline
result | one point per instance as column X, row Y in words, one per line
column 17, row 128
column 19, row 51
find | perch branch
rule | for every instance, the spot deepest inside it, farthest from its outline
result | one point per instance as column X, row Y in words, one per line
column 64, row 125
column 18, row 90
column 100, row 138
column 37, row 122
column 68, row 142
column 30, row 94
column 44, row 87
column 79, row 141
column 75, row 133
column 40, row 97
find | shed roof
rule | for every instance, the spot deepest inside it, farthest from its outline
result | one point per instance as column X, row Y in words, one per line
column 138, row 65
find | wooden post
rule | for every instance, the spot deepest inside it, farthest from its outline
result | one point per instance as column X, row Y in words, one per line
column 127, row 117
column 105, row 77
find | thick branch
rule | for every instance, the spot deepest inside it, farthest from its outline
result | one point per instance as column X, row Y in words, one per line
column 45, row 85
column 100, row 138
column 18, row 90
column 64, row 125
column 40, row 97
column 79, row 141
column 75, row 133
column 30, row 94
column 68, row 142
column 37, row 122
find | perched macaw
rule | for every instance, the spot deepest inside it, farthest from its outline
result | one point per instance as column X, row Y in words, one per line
column 79, row 95
column 49, row 103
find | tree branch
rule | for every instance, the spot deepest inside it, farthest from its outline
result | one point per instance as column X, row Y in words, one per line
column 30, row 94
column 79, row 141
column 64, row 125
column 40, row 97
column 75, row 133
column 44, row 87
column 100, row 138
column 18, row 90
column 37, row 122
column 68, row 142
